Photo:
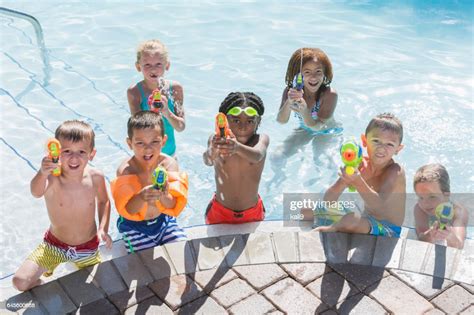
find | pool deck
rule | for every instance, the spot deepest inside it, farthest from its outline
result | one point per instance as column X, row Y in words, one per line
column 258, row 268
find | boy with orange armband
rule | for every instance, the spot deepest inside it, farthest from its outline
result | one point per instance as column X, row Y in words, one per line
column 147, row 208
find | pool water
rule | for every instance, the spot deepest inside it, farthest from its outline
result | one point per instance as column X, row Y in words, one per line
column 412, row 59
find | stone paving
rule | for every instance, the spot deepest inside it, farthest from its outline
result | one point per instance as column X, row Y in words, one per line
column 263, row 272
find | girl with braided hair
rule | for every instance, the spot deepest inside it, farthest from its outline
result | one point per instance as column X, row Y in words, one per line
column 238, row 162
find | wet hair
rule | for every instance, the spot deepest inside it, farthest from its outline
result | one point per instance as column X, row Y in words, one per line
column 242, row 99
column 433, row 173
column 76, row 131
column 386, row 121
column 152, row 46
column 143, row 120
column 308, row 55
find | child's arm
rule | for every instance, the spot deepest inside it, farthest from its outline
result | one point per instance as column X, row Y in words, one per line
column 133, row 97
column 40, row 183
column 176, row 119
column 423, row 230
column 457, row 231
column 389, row 194
column 253, row 154
column 285, row 110
column 210, row 155
column 334, row 192
column 103, row 208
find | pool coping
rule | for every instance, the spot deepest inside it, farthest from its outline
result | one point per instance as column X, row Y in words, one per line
column 232, row 246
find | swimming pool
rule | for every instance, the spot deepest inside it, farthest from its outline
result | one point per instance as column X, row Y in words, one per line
column 411, row 59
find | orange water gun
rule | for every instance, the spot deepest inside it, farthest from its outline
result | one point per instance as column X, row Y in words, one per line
column 222, row 126
column 154, row 101
column 54, row 151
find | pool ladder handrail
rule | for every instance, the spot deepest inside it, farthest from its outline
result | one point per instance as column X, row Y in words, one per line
column 39, row 37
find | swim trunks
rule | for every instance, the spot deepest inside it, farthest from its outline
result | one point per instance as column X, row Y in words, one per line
column 217, row 213
column 383, row 228
column 170, row 145
column 52, row 252
column 140, row 235
column 326, row 216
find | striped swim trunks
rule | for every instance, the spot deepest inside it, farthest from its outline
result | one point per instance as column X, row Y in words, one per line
column 52, row 252
column 140, row 235
column 383, row 228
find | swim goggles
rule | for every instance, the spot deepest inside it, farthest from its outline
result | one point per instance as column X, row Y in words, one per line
column 249, row 111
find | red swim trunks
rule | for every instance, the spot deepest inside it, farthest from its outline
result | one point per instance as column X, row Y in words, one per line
column 217, row 213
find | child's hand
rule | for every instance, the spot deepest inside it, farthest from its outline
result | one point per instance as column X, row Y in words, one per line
column 47, row 166
column 165, row 110
column 295, row 95
column 151, row 194
column 349, row 180
column 440, row 235
column 105, row 237
column 228, row 147
column 434, row 234
column 214, row 148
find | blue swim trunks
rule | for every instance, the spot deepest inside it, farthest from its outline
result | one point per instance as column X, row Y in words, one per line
column 140, row 235
column 383, row 228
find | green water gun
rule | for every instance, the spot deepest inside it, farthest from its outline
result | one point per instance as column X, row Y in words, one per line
column 444, row 213
column 351, row 155
column 159, row 177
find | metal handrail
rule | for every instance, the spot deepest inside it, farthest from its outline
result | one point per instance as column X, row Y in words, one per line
column 39, row 37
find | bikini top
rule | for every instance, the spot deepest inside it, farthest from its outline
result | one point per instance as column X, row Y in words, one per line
column 314, row 115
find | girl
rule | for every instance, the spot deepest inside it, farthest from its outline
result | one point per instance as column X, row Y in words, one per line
column 152, row 61
column 313, row 103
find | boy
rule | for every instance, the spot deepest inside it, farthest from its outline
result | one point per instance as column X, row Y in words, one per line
column 431, row 184
column 153, row 62
column 238, row 162
column 71, row 200
column 379, row 180
column 147, row 215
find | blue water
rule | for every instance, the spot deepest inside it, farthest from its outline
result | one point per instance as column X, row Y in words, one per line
column 412, row 59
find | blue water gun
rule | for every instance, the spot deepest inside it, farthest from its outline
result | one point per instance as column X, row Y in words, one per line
column 298, row 82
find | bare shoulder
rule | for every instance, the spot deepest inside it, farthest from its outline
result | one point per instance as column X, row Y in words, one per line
column 98, row 178
column 95, row 173
column 125, row 168
column 133, row 90
column 393, row 179
column 330, row 96
column 169, row 163
column 396, row 171
column 461, row 213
